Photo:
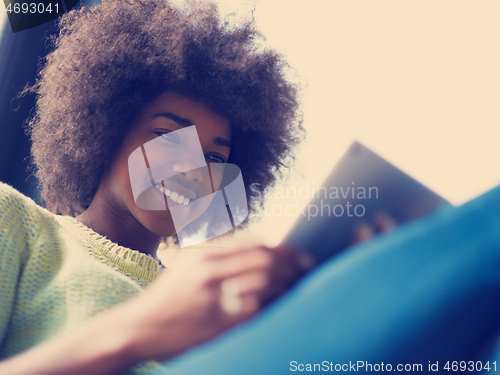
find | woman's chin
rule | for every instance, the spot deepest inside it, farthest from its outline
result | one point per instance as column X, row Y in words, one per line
column 163, row 216
column 163, row 224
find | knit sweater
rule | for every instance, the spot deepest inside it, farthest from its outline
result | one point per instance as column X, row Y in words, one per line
column 56, row 273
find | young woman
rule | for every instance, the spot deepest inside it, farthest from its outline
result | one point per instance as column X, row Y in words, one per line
column 72, row 286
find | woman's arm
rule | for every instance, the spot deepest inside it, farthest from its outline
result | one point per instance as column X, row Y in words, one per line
column 99, row 347
column 178, row 311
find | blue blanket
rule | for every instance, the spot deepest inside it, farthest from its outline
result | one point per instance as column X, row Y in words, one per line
column 426, row 294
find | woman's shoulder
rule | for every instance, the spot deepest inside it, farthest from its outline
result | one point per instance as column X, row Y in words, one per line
column 20, row 211
column 8, row 193
column 23, row 226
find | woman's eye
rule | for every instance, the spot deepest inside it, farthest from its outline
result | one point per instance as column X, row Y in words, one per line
column 169, row 136
column 215, row 159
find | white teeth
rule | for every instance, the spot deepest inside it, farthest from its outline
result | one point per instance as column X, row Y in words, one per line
column 160, row 187
column 176, row 197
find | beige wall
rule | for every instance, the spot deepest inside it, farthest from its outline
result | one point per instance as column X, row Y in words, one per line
column 3, row 16
column 418, row 82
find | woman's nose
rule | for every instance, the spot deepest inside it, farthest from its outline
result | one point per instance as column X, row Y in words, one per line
column 189, row 170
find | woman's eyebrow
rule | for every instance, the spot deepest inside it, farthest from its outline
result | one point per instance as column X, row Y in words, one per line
column 222, row 142
column 185, row 122
column 179, row 120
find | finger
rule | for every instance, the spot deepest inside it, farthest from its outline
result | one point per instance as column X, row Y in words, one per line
column 250, row 305
column 261, row 271
column 253, row 282
column 241, row 262
column 211, row 252
column 230, row 298
column 228, row 252
column 265, row 283
column 363, row 232
column 384, row 222
column 302, row 260
column 236, row 303
column 286, row 268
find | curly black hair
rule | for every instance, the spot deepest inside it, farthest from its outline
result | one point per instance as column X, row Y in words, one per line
column 113, row 59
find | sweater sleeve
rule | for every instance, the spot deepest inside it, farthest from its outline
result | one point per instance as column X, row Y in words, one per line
column 14, row 239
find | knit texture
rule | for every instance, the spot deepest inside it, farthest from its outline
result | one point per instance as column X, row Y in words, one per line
column 56, row 273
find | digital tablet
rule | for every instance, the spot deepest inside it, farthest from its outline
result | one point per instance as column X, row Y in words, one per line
column 359, row 187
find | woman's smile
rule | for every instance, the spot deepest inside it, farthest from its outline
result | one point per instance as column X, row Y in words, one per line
column 172, row 194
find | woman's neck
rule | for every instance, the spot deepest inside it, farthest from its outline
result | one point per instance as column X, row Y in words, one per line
column 121, row 228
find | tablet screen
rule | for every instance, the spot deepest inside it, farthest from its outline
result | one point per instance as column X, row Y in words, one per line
column 360, row 186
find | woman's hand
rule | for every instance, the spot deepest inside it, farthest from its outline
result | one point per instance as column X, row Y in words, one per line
column 181, row 309
column 382, row 223
column 206, row 293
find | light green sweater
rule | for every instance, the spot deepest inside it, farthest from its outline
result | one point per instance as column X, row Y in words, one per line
column 56, row 273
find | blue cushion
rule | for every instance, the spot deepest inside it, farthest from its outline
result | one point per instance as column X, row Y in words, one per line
column 428, row 292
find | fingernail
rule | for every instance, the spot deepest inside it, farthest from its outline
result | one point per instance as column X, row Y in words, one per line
column 385, row 223
column 363, row 232
column 306, row 261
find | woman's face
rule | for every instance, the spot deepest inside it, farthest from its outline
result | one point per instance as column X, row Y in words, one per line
column 161, row 167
